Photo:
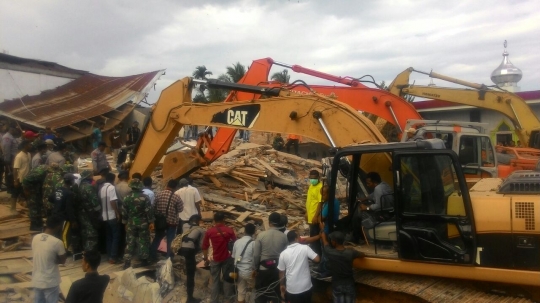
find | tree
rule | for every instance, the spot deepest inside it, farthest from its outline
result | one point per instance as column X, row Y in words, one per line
column 282, row 77
column 236, row 72
column 200, row 73
column 218, row 94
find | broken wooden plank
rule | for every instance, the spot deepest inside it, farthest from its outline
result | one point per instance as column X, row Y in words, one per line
column 14, row 230
column 12, row 286
column 267, row 166
column 15, row 270
column 215, row 181
column 243, row 216
column 224, row 200
column 16, row 254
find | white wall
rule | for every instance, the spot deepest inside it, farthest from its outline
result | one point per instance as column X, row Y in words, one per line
column 16, row 84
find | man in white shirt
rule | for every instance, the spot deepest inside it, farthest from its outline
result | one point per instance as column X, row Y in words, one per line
column 293, row 264
column 111, row 216
column 48, row 252
column 192, row 202
column 244, row 262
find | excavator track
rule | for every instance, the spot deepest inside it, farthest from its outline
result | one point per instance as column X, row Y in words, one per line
column 433, row 289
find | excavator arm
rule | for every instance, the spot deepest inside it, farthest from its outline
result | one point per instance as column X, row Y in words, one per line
column 375, row 101
column 314, row 116
column 479, row 95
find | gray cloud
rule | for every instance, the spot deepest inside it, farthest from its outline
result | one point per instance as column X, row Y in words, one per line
column 346, row 38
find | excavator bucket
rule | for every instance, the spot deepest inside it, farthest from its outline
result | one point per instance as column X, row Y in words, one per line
column 179, row 163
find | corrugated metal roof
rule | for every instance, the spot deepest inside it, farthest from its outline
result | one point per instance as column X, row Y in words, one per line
column 46, row 67
column 74, row 107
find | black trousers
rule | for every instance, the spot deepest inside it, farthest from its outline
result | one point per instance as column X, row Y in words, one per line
column 265, row 279
column 298, row 298
column 315, row 229
column 292, row 142
column 191, row 264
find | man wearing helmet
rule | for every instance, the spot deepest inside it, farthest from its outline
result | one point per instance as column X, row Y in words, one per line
column 138, row 215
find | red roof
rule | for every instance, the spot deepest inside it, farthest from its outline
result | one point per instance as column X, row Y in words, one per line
column 85, row 100
column 432, row 104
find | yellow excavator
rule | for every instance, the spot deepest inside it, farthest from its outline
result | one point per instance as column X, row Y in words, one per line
column 441, row 228
column 526, row 123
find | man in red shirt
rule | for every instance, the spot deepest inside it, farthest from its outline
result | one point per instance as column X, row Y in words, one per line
column 220, row 236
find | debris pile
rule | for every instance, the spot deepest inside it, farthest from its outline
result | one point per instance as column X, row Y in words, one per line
column 254, row 180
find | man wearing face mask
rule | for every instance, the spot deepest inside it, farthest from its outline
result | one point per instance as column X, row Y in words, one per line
column 312, row 204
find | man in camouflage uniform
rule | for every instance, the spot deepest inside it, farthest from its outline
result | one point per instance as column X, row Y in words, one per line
column 138, row 215
column 88, row 211
column 53, row 180
column 32, row 185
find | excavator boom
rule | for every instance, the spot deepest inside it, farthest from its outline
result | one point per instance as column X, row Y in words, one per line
column 375, row 101
column 506, row 103
column 319, row 118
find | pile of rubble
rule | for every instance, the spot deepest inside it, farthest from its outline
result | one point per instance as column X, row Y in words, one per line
column 251, row 181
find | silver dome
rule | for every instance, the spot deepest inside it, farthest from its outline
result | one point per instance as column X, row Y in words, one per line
column 506, row 72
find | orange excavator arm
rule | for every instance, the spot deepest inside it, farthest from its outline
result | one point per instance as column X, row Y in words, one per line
column 321, row 119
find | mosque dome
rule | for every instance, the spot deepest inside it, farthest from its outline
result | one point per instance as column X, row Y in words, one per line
column 506, row 73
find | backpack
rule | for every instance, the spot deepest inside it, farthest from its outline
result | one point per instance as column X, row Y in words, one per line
column 183, row 237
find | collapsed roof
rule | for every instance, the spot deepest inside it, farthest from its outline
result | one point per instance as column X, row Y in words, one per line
column 73, row 108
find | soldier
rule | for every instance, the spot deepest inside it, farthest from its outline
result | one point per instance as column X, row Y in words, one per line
column 32, row 185
column 53, row 180
column 138, row 215
column 88, row 211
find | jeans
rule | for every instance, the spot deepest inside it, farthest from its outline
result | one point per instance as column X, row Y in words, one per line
column 315, row 229
column 170, row 232
column 47, row 295
column 246, row 136
column 191, row 266
column 344, row 293
column 228, row 288
column 113, row 238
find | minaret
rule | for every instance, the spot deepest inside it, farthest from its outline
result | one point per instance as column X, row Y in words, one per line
column 507, row 76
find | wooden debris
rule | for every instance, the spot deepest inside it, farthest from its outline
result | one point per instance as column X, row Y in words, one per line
column 243, row 216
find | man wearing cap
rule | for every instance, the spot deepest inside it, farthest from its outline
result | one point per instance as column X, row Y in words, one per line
column 48, row 134
column 191, row 199
column 29, row 136
column 57, row 156
column 89, row 211
column 266, row 251
column 63, row 206
column 37, row 159
column 340, row 263
column 138, row 216
column 99, row 159
column 33, row 187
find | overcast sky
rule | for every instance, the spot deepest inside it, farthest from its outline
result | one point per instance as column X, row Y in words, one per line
column 463, row 39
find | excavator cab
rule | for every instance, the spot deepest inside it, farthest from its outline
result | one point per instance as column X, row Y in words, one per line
column 428, row 215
